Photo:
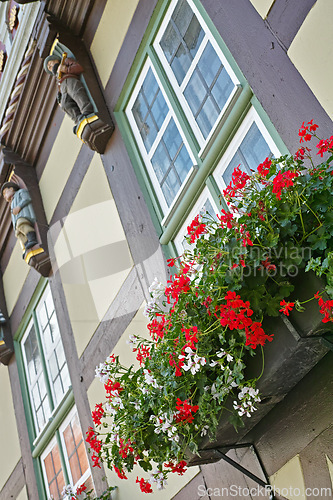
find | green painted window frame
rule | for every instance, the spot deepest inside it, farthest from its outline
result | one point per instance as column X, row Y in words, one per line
column 39, row 443
column 209, row 158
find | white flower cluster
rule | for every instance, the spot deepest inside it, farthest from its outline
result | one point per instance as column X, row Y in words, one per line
column 113, row 433
column 103, row 370
column 67, row 491
column 164, row 423
column 156, row 291
column 192, row 360
column 221, row 354
column 132, row 340
column 158, row 478
column 150, row 380
column 247, row 397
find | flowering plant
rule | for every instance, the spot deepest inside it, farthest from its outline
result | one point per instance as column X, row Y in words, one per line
column 82, row 493
column 209, row 317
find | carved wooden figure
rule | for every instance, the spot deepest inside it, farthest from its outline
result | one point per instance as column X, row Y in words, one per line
column 15, row 193
column 75, row 99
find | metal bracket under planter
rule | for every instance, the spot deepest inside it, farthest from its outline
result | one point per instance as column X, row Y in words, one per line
column 213, row 455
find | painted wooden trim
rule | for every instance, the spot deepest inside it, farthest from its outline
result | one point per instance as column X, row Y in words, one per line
column 56, row 419
column 15, row 482
column 284, row 20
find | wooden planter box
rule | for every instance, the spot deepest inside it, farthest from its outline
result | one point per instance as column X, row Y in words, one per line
column 296, row 348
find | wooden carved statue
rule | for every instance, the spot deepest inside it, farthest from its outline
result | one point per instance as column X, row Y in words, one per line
column 75, row 99
column 15, row 193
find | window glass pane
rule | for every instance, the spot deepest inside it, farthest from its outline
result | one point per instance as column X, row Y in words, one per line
column 53, row 349
column 149, row 110
column 171, row 162
column 32, row 354
column 252, row 151
column 208, row 89
column 181, row 40
column 75, row 449
column 54, row 473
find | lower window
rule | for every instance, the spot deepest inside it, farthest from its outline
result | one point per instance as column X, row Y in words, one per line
column 65, row 460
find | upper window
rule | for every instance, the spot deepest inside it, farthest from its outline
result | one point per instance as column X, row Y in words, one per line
column 196, row 67
column 44, row 360
column 185, row 58
column 159, row 137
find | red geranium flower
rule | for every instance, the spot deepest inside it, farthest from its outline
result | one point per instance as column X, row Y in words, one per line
column 286, row 307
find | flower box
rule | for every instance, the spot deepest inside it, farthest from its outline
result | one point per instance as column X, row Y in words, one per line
column 296, row 348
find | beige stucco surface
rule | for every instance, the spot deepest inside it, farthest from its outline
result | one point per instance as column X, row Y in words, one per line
column 128, row 489
column 92, row 254
column 110, row 35
column 9, row 439
column 59, row 165
column 23, row 495
column 290, row 478
column 262, row 6
column 311, row 52
column 14, row 277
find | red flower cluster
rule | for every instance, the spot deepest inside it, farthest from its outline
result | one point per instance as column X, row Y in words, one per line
column 247, row 240
column 268, row 265
column 304, row 131
column 158, row 329
column 326, row 308
column 180, row 283
column 172, row 362
column 286, row 307
column 190, row 336
column 145, row 487
column 143, row 352
column 226, row 218
column 325, row 145
column 239, row 180
column 283, row 180
column 112, row 389
column 178, row 468
column 264, row 167
column 98, row 414
column 235, row 314
column 184, row 411
column 92, row 440
column 195, row 229
column 120, row 473
column 125, row 448
column 80, row 489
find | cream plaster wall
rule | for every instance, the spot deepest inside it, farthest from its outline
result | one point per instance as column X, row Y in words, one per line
column 9, row 438
column 128, row 488
column 290, row 478
column 92, row 254
column 59, row 165
column 262, row 6
column 311, row 52
column 14, row 277
column 110, row 34
column 23, row 495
